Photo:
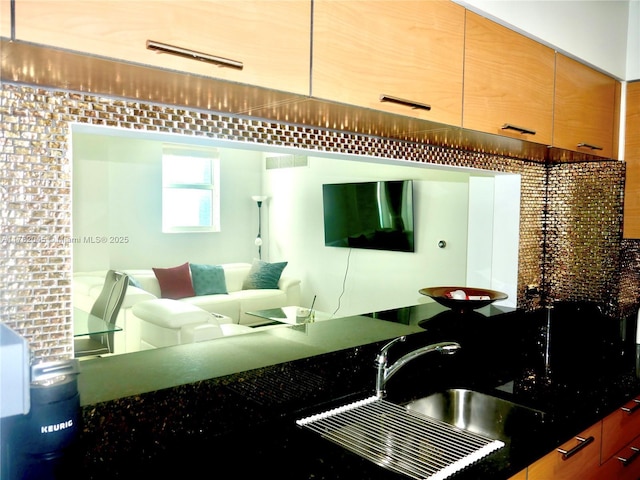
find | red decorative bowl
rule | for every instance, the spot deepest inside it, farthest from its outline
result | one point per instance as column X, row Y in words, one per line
column 474, row 297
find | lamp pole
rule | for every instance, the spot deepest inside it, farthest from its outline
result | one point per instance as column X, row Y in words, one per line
column 259, row 199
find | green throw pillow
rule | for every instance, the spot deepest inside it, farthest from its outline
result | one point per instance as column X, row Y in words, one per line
column 263, row 275
column 208, row 279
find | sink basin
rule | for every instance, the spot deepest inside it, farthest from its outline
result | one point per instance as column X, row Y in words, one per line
column 401, row 440
column 478, row 412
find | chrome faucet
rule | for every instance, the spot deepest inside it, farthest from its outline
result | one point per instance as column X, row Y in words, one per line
column 385, row 372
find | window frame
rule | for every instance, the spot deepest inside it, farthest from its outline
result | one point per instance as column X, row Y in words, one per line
column 190, row 152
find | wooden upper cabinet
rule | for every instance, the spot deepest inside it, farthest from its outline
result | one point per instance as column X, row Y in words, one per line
column 270, row 38
column 5, row 18
column 632, row 159
column 585, row 107
column 508, row 82
column 409, row 50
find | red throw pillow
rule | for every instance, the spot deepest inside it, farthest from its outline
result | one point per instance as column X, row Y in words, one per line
column 175, row 282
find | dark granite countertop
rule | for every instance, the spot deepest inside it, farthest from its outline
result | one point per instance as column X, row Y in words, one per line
column 573, row 367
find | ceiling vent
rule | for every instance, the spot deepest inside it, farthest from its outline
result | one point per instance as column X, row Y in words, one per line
column 286, row 161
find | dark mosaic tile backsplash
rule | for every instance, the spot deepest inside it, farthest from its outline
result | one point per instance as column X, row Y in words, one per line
column 571, row 214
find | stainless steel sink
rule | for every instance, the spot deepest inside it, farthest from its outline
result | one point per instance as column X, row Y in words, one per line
column 401, row 440
column 478, row 412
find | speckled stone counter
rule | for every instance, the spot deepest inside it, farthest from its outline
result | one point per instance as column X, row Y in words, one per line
column 193, row 410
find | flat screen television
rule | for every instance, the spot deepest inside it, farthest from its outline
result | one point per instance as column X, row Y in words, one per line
column 374, row 215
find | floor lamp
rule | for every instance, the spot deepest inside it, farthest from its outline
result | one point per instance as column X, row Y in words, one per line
column 259, row 199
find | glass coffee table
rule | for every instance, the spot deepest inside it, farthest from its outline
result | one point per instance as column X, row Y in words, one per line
column 291, row 315
column 85, row 324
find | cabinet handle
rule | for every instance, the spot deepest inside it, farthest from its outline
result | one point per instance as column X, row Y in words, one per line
column 203, row 57
column 627, row 461
column 509, row 126
column 406, row 103
column 582, row 442
column 589, row 145
column 632, row 409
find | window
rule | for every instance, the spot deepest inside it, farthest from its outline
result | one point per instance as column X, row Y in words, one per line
column 190, row 189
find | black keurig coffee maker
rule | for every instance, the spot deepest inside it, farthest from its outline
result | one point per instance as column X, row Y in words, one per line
column 40, row 444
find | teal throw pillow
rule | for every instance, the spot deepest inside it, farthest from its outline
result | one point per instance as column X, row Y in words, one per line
column 208, row 279
column 134, row 282
column 263, row 275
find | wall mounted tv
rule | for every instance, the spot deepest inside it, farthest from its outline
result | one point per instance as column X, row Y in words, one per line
column 375, row 215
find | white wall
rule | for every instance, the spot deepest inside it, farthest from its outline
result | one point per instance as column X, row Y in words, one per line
column 353, row 281
column 117, row 193
column 633, row 43
column 603, row 33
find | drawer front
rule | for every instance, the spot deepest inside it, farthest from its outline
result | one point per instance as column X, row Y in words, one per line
column 577, row 458
column 620, row 427
column 522, row 475
column 624, row 465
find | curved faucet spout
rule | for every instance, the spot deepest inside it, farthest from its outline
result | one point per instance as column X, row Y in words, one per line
column 385, row 372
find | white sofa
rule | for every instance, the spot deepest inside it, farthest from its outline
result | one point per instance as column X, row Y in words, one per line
column 235, row 304
column 166, row 322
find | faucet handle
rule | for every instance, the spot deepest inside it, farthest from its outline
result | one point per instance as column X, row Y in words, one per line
column 382, row 355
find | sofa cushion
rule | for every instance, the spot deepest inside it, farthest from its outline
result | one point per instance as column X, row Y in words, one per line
column 200, row 332
column 263, row 275
column 234, row 274
column 175, row 282
column 208, row 279
column 223, row 304
column 169, row 313
column 135, row 295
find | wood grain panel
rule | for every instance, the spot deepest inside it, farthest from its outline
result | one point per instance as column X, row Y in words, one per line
column 272, row 38
column 408, row 49
column 508, row 78
column 522, row 475
column 618, row 429
column 583, row 465
column 615, row 469
column 5, row 18
column 584, row 108
column 632, row 158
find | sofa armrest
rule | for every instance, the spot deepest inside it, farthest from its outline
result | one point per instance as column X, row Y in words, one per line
column 168, row 313
column 287, row 282
column 200, row 332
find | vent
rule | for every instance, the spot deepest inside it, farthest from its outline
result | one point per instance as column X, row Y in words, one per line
column 286, row 161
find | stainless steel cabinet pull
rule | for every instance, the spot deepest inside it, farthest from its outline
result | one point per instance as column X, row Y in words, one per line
column 203, row 57
column 632, row 409
column 583, row 442
column 508, row 126
column 406, row 103
column 627, row 461
column 589, row 145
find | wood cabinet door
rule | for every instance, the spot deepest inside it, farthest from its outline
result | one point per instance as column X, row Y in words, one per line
column 410, row 50
column 620, row 427
column 522, row 475
column 582, row 465
column 632, row 159
column 584, row 108
column 624, row 464
column 508, row 80
column 5, row 18
column 270, row 38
